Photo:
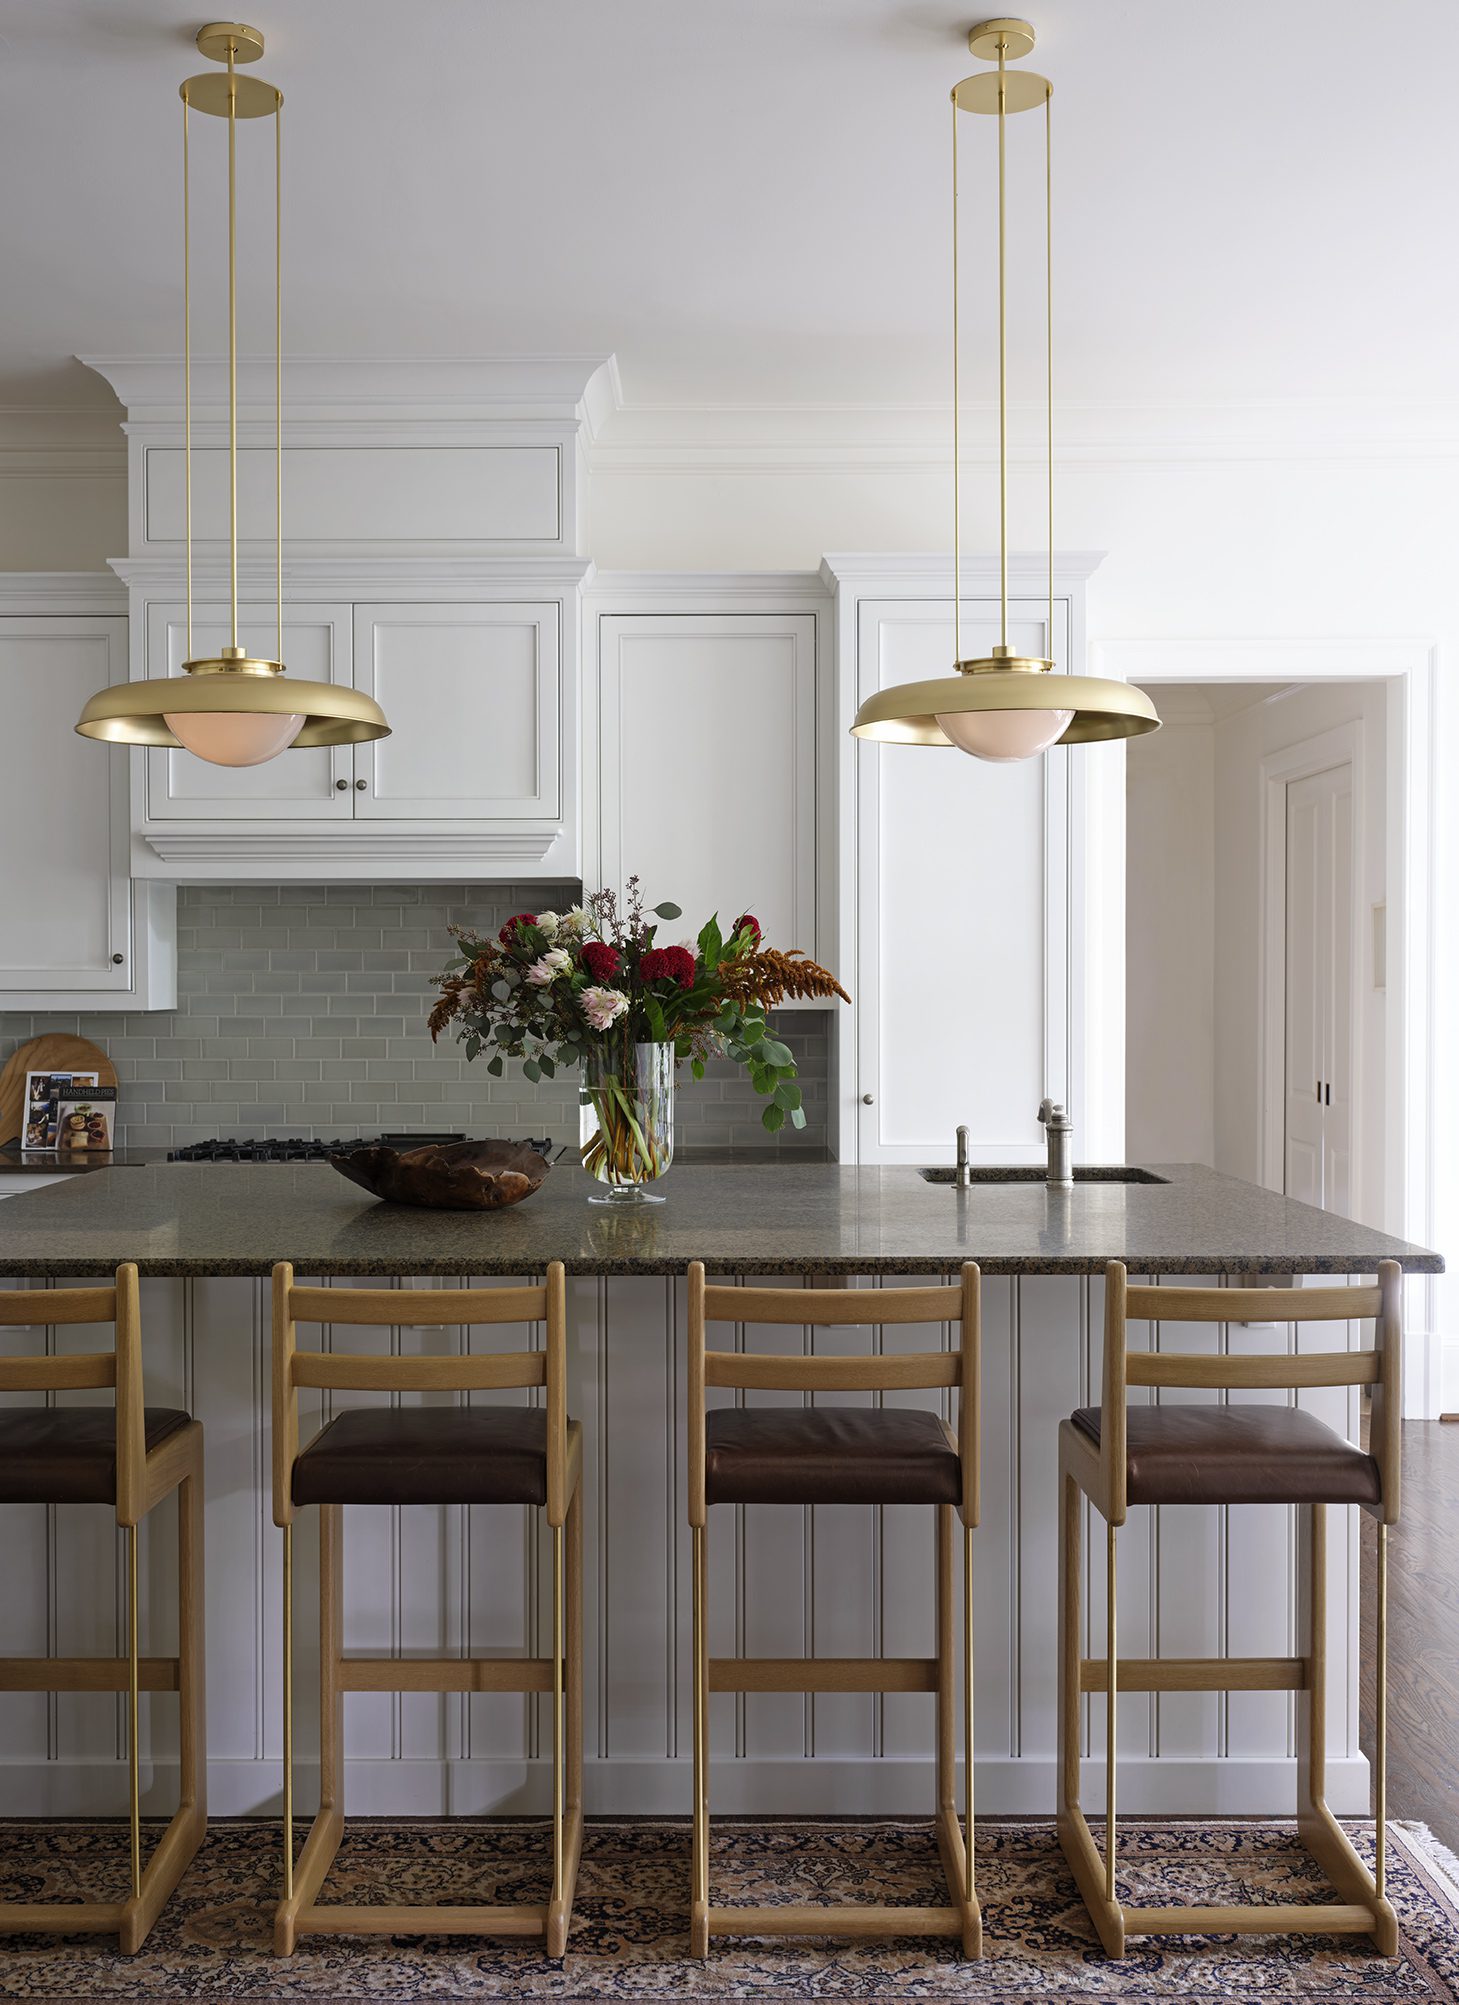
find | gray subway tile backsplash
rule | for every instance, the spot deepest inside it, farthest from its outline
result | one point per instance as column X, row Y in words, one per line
column 301, row 1011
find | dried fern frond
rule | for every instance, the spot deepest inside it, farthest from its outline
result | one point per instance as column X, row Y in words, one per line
column 769, row 977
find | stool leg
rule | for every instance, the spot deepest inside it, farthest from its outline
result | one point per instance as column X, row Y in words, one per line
column 1380, row 1720
column 559, row 1913
column 557, row 1728
column 288, row 1712
column 1111, row 1696
column 699, row 1918
column 134, row 1780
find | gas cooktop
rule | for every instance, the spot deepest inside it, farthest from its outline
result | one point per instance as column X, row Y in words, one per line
column 299, row 1149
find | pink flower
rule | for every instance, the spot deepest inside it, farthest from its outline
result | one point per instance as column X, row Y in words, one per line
column 603, row 1007
column 556, row 961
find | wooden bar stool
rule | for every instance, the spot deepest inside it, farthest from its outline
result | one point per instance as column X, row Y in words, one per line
column 427, row 1455
column 128, row 1457
column 1119, row 1455
column 839, row 1455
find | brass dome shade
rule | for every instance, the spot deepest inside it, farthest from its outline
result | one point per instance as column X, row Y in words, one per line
column 1004, row 705
column 137, row 713
column 234, row 708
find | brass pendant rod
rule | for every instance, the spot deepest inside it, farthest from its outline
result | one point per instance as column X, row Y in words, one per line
column 1002, row 341
column 279, row 371
column 957, row 475
column 187, row 373
column 1049, row 353
column 233, row 340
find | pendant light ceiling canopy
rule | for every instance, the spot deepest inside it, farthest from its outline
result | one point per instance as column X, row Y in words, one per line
column 235, row 707
column 1004, row 705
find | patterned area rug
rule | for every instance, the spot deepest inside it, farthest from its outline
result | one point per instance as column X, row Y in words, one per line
column 629, row 1937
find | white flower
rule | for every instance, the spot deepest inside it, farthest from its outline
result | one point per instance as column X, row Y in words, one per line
column 556, row 961
column 602, row 1007
column 548, row 923
column 575, row 919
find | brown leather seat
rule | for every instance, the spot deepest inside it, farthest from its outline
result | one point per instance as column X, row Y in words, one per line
column 1237, row 1455
column 68, row 1454
column 829, row 1455
column 427, row 1455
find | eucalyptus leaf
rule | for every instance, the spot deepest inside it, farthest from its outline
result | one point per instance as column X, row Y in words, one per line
column 494, row 1065
column 473, row 1045
column 532, row 1069
column 668, row 911
column 773, row 1118
column 775, row 1053
column 797, row 1117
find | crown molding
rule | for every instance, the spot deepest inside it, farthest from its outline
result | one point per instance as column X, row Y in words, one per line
column 242, row 847
column 756, row 591
column 931, row 571
column 370, row 575
column 61, row 592
column 566, row 391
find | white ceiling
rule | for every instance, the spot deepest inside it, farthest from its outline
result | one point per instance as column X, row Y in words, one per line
column 748, row 201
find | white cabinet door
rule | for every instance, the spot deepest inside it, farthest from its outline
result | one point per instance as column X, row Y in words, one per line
column 65, row 897
column 1319, row 980
column 707, row 765
column 474, row 698
column 316, row 784
column 962, row 914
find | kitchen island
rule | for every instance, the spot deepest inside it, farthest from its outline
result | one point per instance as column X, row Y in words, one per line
column 834, row 1580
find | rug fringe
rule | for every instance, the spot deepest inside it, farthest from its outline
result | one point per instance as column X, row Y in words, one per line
column 1442, row 1863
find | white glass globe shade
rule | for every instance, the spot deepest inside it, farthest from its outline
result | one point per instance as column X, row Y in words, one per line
column 1004, row 735
column 234, row 737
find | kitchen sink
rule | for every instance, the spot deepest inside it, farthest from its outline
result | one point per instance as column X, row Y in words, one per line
column 1035, row 1173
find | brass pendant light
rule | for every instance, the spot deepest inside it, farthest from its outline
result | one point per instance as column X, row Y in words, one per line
column 1003, row 706
column 234, row 708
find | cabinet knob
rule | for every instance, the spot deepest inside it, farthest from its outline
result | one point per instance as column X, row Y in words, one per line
column 340, row 785
column 868, row 1099
column 359, row 786
column 117, row 959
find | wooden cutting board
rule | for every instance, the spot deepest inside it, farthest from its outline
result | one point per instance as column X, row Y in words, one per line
column 52, row 1053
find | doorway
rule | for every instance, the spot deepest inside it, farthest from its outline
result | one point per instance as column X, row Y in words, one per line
column 1257, row 876
column 1313, row 834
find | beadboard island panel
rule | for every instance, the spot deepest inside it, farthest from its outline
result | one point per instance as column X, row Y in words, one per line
column 782, row 1580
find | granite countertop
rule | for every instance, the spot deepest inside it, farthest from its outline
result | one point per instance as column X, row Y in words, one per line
column 239, row 1218
column 73, row 1162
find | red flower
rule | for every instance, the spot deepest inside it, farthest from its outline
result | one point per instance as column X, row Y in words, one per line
column 517, row 919
column 668, row 964
column 748, row 920
column 601, row 961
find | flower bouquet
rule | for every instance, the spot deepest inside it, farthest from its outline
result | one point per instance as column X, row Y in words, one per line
column 593, row 988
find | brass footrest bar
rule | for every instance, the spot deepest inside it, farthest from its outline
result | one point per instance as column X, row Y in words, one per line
column 62, row 1917
column 833, row 1920
column 1197, row 1674
column 445, row 1674
column 1308, row 1918
column 355, row 1920
column 86, row 1674
column 823, row 1674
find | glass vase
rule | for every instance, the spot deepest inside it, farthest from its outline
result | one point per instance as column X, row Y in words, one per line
column 627, row 1125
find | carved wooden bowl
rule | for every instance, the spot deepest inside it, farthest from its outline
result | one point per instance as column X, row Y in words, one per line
column 446, row 1176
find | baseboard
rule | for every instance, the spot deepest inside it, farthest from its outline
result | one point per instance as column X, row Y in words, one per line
column 885, row 1788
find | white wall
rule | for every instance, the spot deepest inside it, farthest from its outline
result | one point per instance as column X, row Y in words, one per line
column 1242, row 741
column 1170, row 939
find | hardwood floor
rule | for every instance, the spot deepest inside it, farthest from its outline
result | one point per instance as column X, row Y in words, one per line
column 1423, row 1633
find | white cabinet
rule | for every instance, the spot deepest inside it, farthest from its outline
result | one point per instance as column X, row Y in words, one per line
column 960, row 894
column 708, row 768
column 474, row 698
column 478, row 778
column 75, row 933
column 313, row 785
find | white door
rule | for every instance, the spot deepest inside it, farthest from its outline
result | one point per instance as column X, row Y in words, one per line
column 707, row 727
column 1319, row 988
column 963, row 913
column 65, row 892
column 474, row 697
column 311, row 785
